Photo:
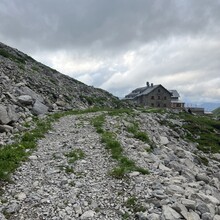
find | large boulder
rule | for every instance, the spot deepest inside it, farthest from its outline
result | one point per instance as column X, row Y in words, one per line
column 39, row 108
column 27, row 91
column 12, row 113
column 169, row 213
column 4, row 118
column 25, row 100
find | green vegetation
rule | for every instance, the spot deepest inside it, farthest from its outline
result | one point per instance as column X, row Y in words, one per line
column 153, row 110
column 69, row 170
column 216, row 112
column 75, row 155
column 204, row 160
column 126, row 215
column 12, row 57
column 125, row 165
column 35, row 68
column 134, row 129
column 11, row 155
column 203, row 130
column 98, row 122
column 133, row 204
column 21, row 66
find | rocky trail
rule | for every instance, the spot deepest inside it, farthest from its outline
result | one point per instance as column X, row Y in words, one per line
column 69, row 174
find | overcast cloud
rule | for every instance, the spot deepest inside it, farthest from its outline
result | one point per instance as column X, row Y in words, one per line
column 118, row 45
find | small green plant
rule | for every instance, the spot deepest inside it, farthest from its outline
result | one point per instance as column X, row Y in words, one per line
column 134, row 129
column 98, row 123
column 126, row 215
column 69, row 170
column 26, row 125
column 203, row 160
column 75, row 155
column 72, row 183
column 133, row 204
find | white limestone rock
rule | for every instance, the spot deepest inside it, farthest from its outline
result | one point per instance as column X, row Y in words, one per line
column 169, row 213
column 87, row 214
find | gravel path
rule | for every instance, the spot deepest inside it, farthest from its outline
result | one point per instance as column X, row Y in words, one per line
column 48, row 186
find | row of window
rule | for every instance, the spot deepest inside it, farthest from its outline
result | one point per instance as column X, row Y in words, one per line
column 159, row 98
column 159, row 105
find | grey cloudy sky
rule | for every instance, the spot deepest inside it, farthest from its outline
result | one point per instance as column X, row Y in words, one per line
column 118, row 45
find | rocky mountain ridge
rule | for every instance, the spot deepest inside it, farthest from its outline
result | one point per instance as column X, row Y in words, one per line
column 28, row 88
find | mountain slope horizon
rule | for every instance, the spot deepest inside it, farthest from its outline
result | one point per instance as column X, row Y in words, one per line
column 55, row 87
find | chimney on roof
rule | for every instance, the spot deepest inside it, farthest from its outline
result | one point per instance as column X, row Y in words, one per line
column 148, row 84
column 152, row 84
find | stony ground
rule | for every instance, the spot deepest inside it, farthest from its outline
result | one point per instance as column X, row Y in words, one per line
column 51, row 185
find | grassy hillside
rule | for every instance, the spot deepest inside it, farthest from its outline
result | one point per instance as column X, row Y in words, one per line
column 216, row 112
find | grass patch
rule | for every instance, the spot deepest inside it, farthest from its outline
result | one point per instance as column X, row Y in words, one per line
column 12, row 155
column 154, row 110
column 98, row 122
column 203, row 130
column 75, row 155
column 125, row 165
column 12, row 57
column 134, row 129
column 126, row 215
column 69, row 170
column 35, row 68
column 204, row 160
column 133, row 204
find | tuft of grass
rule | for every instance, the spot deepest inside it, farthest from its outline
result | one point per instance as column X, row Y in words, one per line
column 125, row 165
column 98, row 122
column 126, row 215
column 134, row 129
column 203, row 130
column 203, row 160
column 69, row 170
column 75, row 155
column 133, row 204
